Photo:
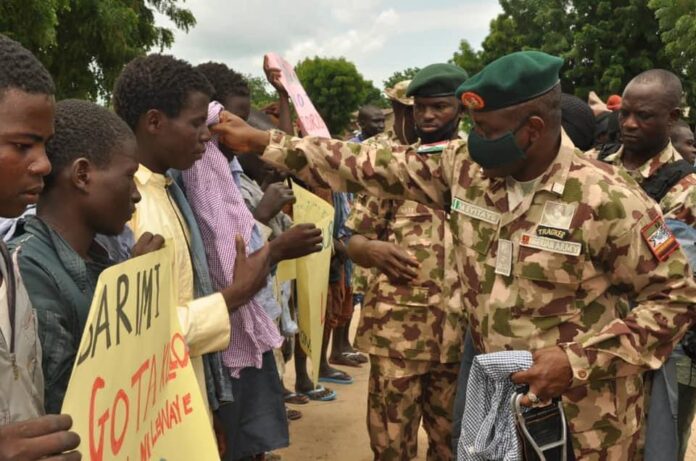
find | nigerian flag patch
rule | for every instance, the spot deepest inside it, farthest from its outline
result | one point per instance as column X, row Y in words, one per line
column 660, row 239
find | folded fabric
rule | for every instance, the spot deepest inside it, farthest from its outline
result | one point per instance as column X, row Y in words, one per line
column 488, row 425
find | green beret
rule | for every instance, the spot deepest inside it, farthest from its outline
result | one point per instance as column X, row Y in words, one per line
column 510, row 80
column 437, row 80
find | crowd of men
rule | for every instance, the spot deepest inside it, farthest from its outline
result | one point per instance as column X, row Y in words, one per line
column 550, row 227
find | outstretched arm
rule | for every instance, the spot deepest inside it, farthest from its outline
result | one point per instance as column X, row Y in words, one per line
column 385, row 171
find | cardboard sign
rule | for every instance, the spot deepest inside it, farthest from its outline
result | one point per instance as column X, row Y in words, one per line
column 312, row 274
column 311, row 122
column 133, row 394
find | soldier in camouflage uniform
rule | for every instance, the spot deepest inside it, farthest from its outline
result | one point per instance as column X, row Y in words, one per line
column 397, row 134
column 412, row 322
column 649, row 107
column 550, row 245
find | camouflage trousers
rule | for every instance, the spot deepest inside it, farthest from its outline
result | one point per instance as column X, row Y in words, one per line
column 628, row 449
column 401, row 393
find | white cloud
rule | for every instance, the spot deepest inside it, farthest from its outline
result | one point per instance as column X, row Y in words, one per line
column 380, row 36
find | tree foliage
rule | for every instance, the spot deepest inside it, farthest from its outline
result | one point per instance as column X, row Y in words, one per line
column 85, row 44
column 614, row 41
column 336, row 89
column 400, row 76
column 677, row 20
column 467, row 58
column 604, row 42
column 262, row 94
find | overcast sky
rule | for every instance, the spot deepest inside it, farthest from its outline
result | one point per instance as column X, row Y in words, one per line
column 379, row 36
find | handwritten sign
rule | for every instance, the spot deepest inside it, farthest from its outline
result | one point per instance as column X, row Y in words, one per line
column 311, row 122
column 312, row 274
column 133, row 394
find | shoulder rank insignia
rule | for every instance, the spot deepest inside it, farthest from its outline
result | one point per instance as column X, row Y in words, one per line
column 660, row 239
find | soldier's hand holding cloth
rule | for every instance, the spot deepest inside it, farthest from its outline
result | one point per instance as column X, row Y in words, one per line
column 549, row 376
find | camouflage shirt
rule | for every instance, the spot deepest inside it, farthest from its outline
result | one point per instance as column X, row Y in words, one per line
column 362, row 276
column 418, row 320
column 680, row 202
column 557, row 270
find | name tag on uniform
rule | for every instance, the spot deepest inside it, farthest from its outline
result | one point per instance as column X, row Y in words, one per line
column 503, row 261
column 552, row 245
column 476, row 212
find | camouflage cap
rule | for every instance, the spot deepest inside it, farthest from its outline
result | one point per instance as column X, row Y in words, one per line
column 511, row 80
column 398, row 93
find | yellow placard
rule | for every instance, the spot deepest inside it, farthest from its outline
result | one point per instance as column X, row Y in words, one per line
column 313, row 274
column 287, row 270
column 133, row 394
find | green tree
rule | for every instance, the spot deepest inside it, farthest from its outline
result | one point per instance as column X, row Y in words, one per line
column 262, row 94
column 529, row 24
column 400, row 76
column 467, row 58
column 613, row 41
column 336, row 89
column 604, row 42
column 677, row 21
column 85, row 44
column 374, row 97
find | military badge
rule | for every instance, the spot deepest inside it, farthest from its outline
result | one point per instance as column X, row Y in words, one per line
column 660, row 239
column 558, row 215
column 473, row 101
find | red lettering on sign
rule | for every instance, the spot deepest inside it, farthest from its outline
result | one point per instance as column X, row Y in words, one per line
column 116, row 442
column 187, row 404
column 96, row 451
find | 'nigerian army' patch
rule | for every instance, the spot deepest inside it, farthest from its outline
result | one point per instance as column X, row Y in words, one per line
column 552, row 245
column 660, row 239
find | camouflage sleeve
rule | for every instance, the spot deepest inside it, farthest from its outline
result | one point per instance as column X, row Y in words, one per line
column 680, row 201
column 385, row 171
column 368, row 216
column 663, row 294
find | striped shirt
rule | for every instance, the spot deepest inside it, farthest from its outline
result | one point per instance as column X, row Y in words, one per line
column 222, row 214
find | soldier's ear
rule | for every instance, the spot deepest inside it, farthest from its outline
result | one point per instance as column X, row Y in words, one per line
column 537, row 126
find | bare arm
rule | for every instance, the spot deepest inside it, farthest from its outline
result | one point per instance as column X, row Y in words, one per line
column 273, row 76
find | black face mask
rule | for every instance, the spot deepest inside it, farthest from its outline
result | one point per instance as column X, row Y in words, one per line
column 497, row 152
column 444, row 133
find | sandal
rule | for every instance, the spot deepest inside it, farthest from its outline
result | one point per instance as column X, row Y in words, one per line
column 336, row 377
column 293, row 415
column 344, row 360
column 293, row 398
column 320, row 394
column 356, row 356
